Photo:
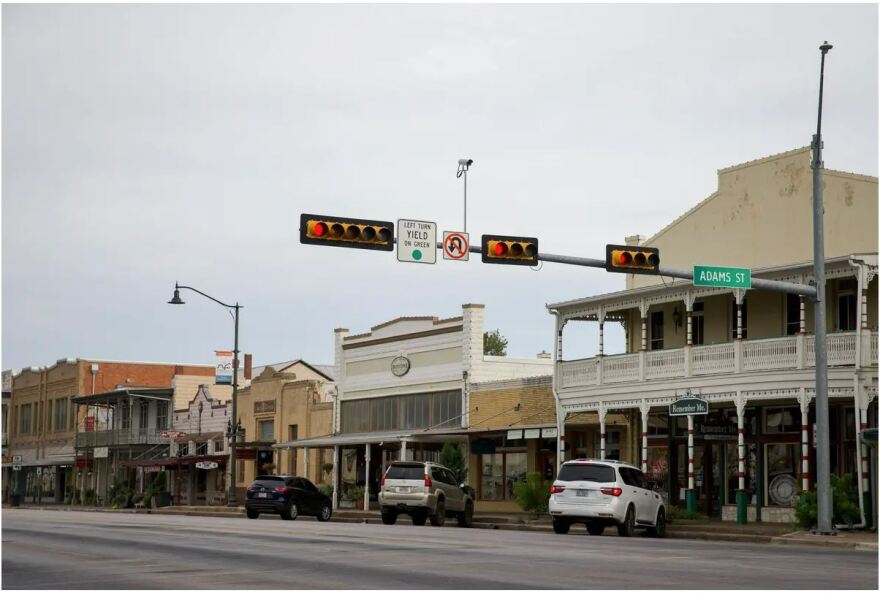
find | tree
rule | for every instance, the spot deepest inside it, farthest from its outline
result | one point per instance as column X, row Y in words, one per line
column 452, row 458
column 494, row 344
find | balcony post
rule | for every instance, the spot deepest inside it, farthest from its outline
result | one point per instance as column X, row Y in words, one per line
column 643, row 310
column 739, row 296
column 863, row 401
column 599, row 356
column 645, row 409
column 800, row 340
column 602, row 413
column 805, row 439
column 688, row 348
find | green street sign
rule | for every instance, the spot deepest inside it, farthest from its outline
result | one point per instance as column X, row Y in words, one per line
column 688, row 406
column 721, row 276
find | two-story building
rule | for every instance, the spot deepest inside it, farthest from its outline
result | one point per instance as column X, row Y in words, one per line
column 403, row 391
column 42, row 417
column 749, row 353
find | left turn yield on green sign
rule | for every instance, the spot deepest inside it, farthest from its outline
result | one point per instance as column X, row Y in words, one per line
column 417, row 241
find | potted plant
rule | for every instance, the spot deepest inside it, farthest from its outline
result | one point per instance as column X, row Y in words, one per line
column 356, row 494
column 328, row 468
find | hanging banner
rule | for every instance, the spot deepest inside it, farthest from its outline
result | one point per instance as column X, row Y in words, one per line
column 223, row 375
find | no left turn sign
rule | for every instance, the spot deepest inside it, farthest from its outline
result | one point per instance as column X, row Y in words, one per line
column 455, row 246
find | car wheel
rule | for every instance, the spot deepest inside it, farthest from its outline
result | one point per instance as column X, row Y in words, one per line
column 389, row 517
column 326, row 512
column 252, row 514
column 626, row 528
column 595, row 528
column 291, row 513
column 560, row 525
column 659, row 529
column 466, row 517
column 419, row 518
column 438, row 519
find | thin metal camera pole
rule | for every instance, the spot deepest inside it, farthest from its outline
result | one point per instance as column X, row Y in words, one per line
column 823, row 457
column 465, row 201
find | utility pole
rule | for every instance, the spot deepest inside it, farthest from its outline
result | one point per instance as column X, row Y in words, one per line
column 823, row 457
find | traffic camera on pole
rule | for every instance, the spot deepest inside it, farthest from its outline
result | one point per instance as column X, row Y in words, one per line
column 316, row 229
column 503, row 249
column 632, row 259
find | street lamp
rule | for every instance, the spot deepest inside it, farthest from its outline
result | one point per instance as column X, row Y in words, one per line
column 176, row 300
column 463, row 166
column 823, row 459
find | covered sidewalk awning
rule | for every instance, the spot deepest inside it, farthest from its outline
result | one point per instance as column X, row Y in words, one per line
column 175, row 461
column 365, row 438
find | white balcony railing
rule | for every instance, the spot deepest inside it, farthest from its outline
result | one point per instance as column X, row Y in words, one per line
column 749, row 355
column 775, row 353
column 710, row 360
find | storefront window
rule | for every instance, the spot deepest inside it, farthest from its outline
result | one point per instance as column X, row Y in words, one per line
column 658, row 469
column 658, row 425
column 500, row 471
column 732, row 466
column 782, row 420
column 267, row 430
column 782, row 473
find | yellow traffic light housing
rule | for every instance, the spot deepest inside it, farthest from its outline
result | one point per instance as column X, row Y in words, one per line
column 316, row 229
column 632, row 259
column 503, row 249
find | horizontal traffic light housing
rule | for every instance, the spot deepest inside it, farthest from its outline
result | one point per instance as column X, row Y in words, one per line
column 335, row 231
column 504, row 249
column 632, row 259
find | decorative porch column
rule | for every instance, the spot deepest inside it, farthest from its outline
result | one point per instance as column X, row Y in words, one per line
column 560, row 438
column 335, row 477
column 645, row 409
column 403, row 450
column 691, row 496
column 739, row 295
column 643, row 311
column 601, row 318
column 688, row 349
column 305, row 461
column 863, row 401
column 804, row 401
column 602, row 413
column 367, row 479
column 741, row 495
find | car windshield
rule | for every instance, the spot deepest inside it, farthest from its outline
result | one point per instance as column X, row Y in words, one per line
column 586, row 473
column 406, row 472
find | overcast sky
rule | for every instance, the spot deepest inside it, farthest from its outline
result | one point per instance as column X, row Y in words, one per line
column 144, row 145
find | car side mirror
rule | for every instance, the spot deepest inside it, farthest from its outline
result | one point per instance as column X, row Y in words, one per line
column 462, row 486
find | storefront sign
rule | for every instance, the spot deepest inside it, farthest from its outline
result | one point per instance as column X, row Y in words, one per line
column 532, row 433
column 207, row 465
column 223, row 375
column 688, row 406
column 400, row 366
column 549, row 433
column 152, row 469
column 265, row 406
column 514, row 435
column 102, row 452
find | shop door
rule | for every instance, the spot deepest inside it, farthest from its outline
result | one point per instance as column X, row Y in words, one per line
column 201, row 486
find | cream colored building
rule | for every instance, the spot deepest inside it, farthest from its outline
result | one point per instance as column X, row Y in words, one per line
column 749, row 353
column 290, row 403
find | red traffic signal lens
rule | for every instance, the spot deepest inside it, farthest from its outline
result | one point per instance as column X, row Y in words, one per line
column 500, row 248
column 319, row 230
column 626, row 258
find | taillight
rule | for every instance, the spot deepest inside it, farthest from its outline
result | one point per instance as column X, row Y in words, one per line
column 554, row 489
column 280, row 489
column 612, row 491
column 427, row 481
column 250, row 488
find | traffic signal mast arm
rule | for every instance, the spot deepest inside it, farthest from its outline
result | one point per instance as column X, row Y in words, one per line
column 772, row 285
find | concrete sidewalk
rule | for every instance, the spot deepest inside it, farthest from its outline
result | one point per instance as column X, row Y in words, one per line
column 768, row 533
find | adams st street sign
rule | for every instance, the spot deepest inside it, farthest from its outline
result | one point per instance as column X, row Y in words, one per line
column 721, row 276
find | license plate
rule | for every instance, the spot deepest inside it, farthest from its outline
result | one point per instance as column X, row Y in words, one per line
column 584, row 493
column 402, row 489
column 262, row 495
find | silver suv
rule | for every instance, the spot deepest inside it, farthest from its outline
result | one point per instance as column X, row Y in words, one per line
column 604, row 492
column 424, row 491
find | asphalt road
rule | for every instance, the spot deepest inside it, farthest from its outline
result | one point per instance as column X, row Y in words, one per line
column 86, row 550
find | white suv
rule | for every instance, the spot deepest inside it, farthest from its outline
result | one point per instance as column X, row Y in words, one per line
column 604, row 492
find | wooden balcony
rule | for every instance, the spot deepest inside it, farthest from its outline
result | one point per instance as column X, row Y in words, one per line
column 792, row 352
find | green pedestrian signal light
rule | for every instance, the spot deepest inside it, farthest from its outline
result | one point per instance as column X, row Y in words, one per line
column 504, row 249
column 335, row 231
column 632, row 259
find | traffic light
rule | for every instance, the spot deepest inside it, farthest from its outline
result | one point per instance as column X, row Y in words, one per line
column 518, row 251
column 316, row 229
column 632, row 259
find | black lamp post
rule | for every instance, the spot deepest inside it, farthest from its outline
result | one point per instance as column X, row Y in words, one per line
column 176, row 300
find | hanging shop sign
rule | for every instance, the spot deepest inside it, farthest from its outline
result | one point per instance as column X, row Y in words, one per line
column 689, row 404
column 549, row 433
column 207, row 465
column 532, row 433
column 102, row 452
column 514, row 435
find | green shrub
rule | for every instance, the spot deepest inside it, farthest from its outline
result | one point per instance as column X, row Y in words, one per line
column 159, row 483
column 533, row 495
column 845, row 502
column 326, row 490
column 89, row 497
column 355, row 493
column 452, row 458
